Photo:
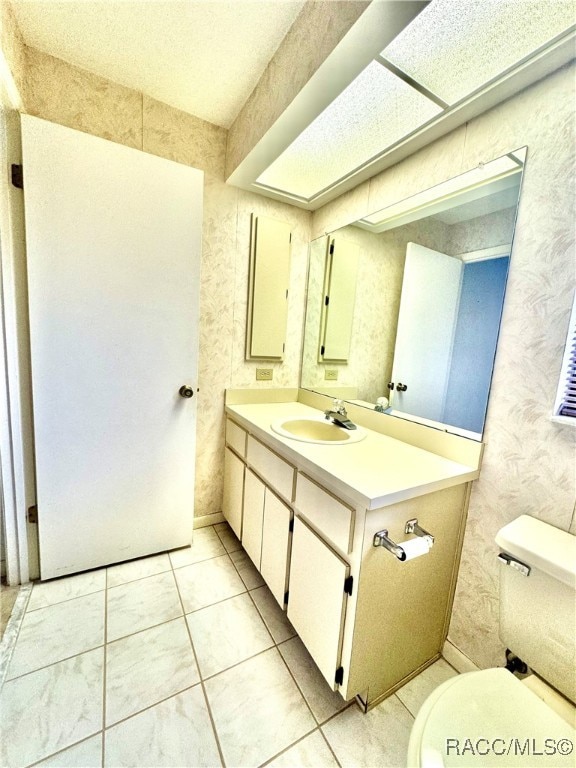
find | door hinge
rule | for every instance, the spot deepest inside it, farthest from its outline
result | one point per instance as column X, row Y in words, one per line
column 286, row 597
column 17, row 176
column 326, row 301
column 348, row 584
column 331, row 248
column 32, row 514
column 291, row 526
column 339, row 677
column 322, row 349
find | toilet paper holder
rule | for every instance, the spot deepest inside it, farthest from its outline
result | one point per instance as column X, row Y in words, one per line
column 412, row 526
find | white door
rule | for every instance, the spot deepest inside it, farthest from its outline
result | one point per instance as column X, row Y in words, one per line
column 275, row 545
column 113, row 242
column 233, row 498
column 254, row 492
column 425, row 335
column 317, row 601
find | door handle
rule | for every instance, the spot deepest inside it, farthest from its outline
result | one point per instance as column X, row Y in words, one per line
column 186, row 391
column 401, row 387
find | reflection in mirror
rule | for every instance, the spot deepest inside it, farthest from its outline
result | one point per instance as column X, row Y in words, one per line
column 340, row 273
column 430, row 288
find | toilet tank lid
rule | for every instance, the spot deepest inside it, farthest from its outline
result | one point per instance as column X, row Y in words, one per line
column 541, row 546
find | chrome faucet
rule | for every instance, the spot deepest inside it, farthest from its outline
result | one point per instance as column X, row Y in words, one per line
column 339, row 416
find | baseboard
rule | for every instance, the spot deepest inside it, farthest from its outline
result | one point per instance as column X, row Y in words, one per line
column 457, row 659
column 203, row 520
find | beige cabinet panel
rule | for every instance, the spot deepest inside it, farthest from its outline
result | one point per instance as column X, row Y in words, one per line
column 275, row 545
column 236, row 437
column 275, row 470
column 254, row 491
column 327, row 513
column 340, row 297
column 268, row 289
column 317, row 601
column 233, row 491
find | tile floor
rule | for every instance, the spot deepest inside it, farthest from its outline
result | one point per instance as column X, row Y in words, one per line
column 183, row 659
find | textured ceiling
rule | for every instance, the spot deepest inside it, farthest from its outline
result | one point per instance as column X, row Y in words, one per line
column 202, row 56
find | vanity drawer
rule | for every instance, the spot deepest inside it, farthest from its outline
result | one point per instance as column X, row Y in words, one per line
column 236, row 437
column 271, row 468
column 327, row 513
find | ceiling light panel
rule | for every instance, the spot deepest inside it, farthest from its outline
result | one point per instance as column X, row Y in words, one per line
column 375, row 111
column 454, row 48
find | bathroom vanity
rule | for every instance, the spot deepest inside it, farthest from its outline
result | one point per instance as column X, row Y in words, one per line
column 307, row 514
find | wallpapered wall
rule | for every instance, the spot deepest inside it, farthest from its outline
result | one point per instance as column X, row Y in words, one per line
column 528, row 464
column 528, row 461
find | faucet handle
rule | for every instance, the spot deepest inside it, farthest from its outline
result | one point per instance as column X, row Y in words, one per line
column 339, row 407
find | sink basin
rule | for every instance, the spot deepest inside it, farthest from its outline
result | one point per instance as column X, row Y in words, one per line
column 317, row 431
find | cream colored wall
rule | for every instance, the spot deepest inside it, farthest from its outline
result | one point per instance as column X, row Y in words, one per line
column 61, row 93
column 528, row 464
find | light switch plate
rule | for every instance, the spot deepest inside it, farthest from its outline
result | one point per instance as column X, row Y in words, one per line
column 330, row 375
column 263, row 374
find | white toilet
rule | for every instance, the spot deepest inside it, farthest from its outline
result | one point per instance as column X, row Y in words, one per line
column 490, row 717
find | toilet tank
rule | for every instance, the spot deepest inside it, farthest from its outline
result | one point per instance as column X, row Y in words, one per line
column 538, row 602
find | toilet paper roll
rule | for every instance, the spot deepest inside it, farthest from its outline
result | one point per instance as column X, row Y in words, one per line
column 415, row 547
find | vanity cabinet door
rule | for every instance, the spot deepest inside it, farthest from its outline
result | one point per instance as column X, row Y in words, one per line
column 254, row 493
column 276, row 545
column 317, row 601
column 233, row 491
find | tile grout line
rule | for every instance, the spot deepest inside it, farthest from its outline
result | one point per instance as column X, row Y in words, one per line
column 201, row 682
column 328, row 743
column 276, row 645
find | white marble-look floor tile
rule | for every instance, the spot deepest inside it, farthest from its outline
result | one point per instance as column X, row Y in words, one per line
column 227, row 633
column 145, row 668
column 414, row 693
column 57, row 591
column 311, row 752
column 322, row 700
column 228, row 537
column 208, row 582
column 246, row 569
column 274, row 617
column 257, row 710
column 142, row 604
column 51, row 709
column 57, row 632
column 205, row 544
column 87, row 754
column 379, row 737
column 176, row 732
column 138, row 569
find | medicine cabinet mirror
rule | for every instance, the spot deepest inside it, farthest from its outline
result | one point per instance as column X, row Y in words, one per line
column 268, row 288
column 429, row 278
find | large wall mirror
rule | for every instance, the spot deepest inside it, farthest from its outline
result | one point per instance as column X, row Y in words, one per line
column 429, row 290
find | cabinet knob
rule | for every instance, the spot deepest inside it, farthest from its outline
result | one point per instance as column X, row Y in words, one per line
column 390, row 385
column 401, row 387
column 186, row 391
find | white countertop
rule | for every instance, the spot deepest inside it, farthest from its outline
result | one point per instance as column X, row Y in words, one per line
column 375, row 472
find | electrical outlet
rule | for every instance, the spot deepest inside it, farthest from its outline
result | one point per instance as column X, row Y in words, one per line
column 263, row 374
column 331, row 375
